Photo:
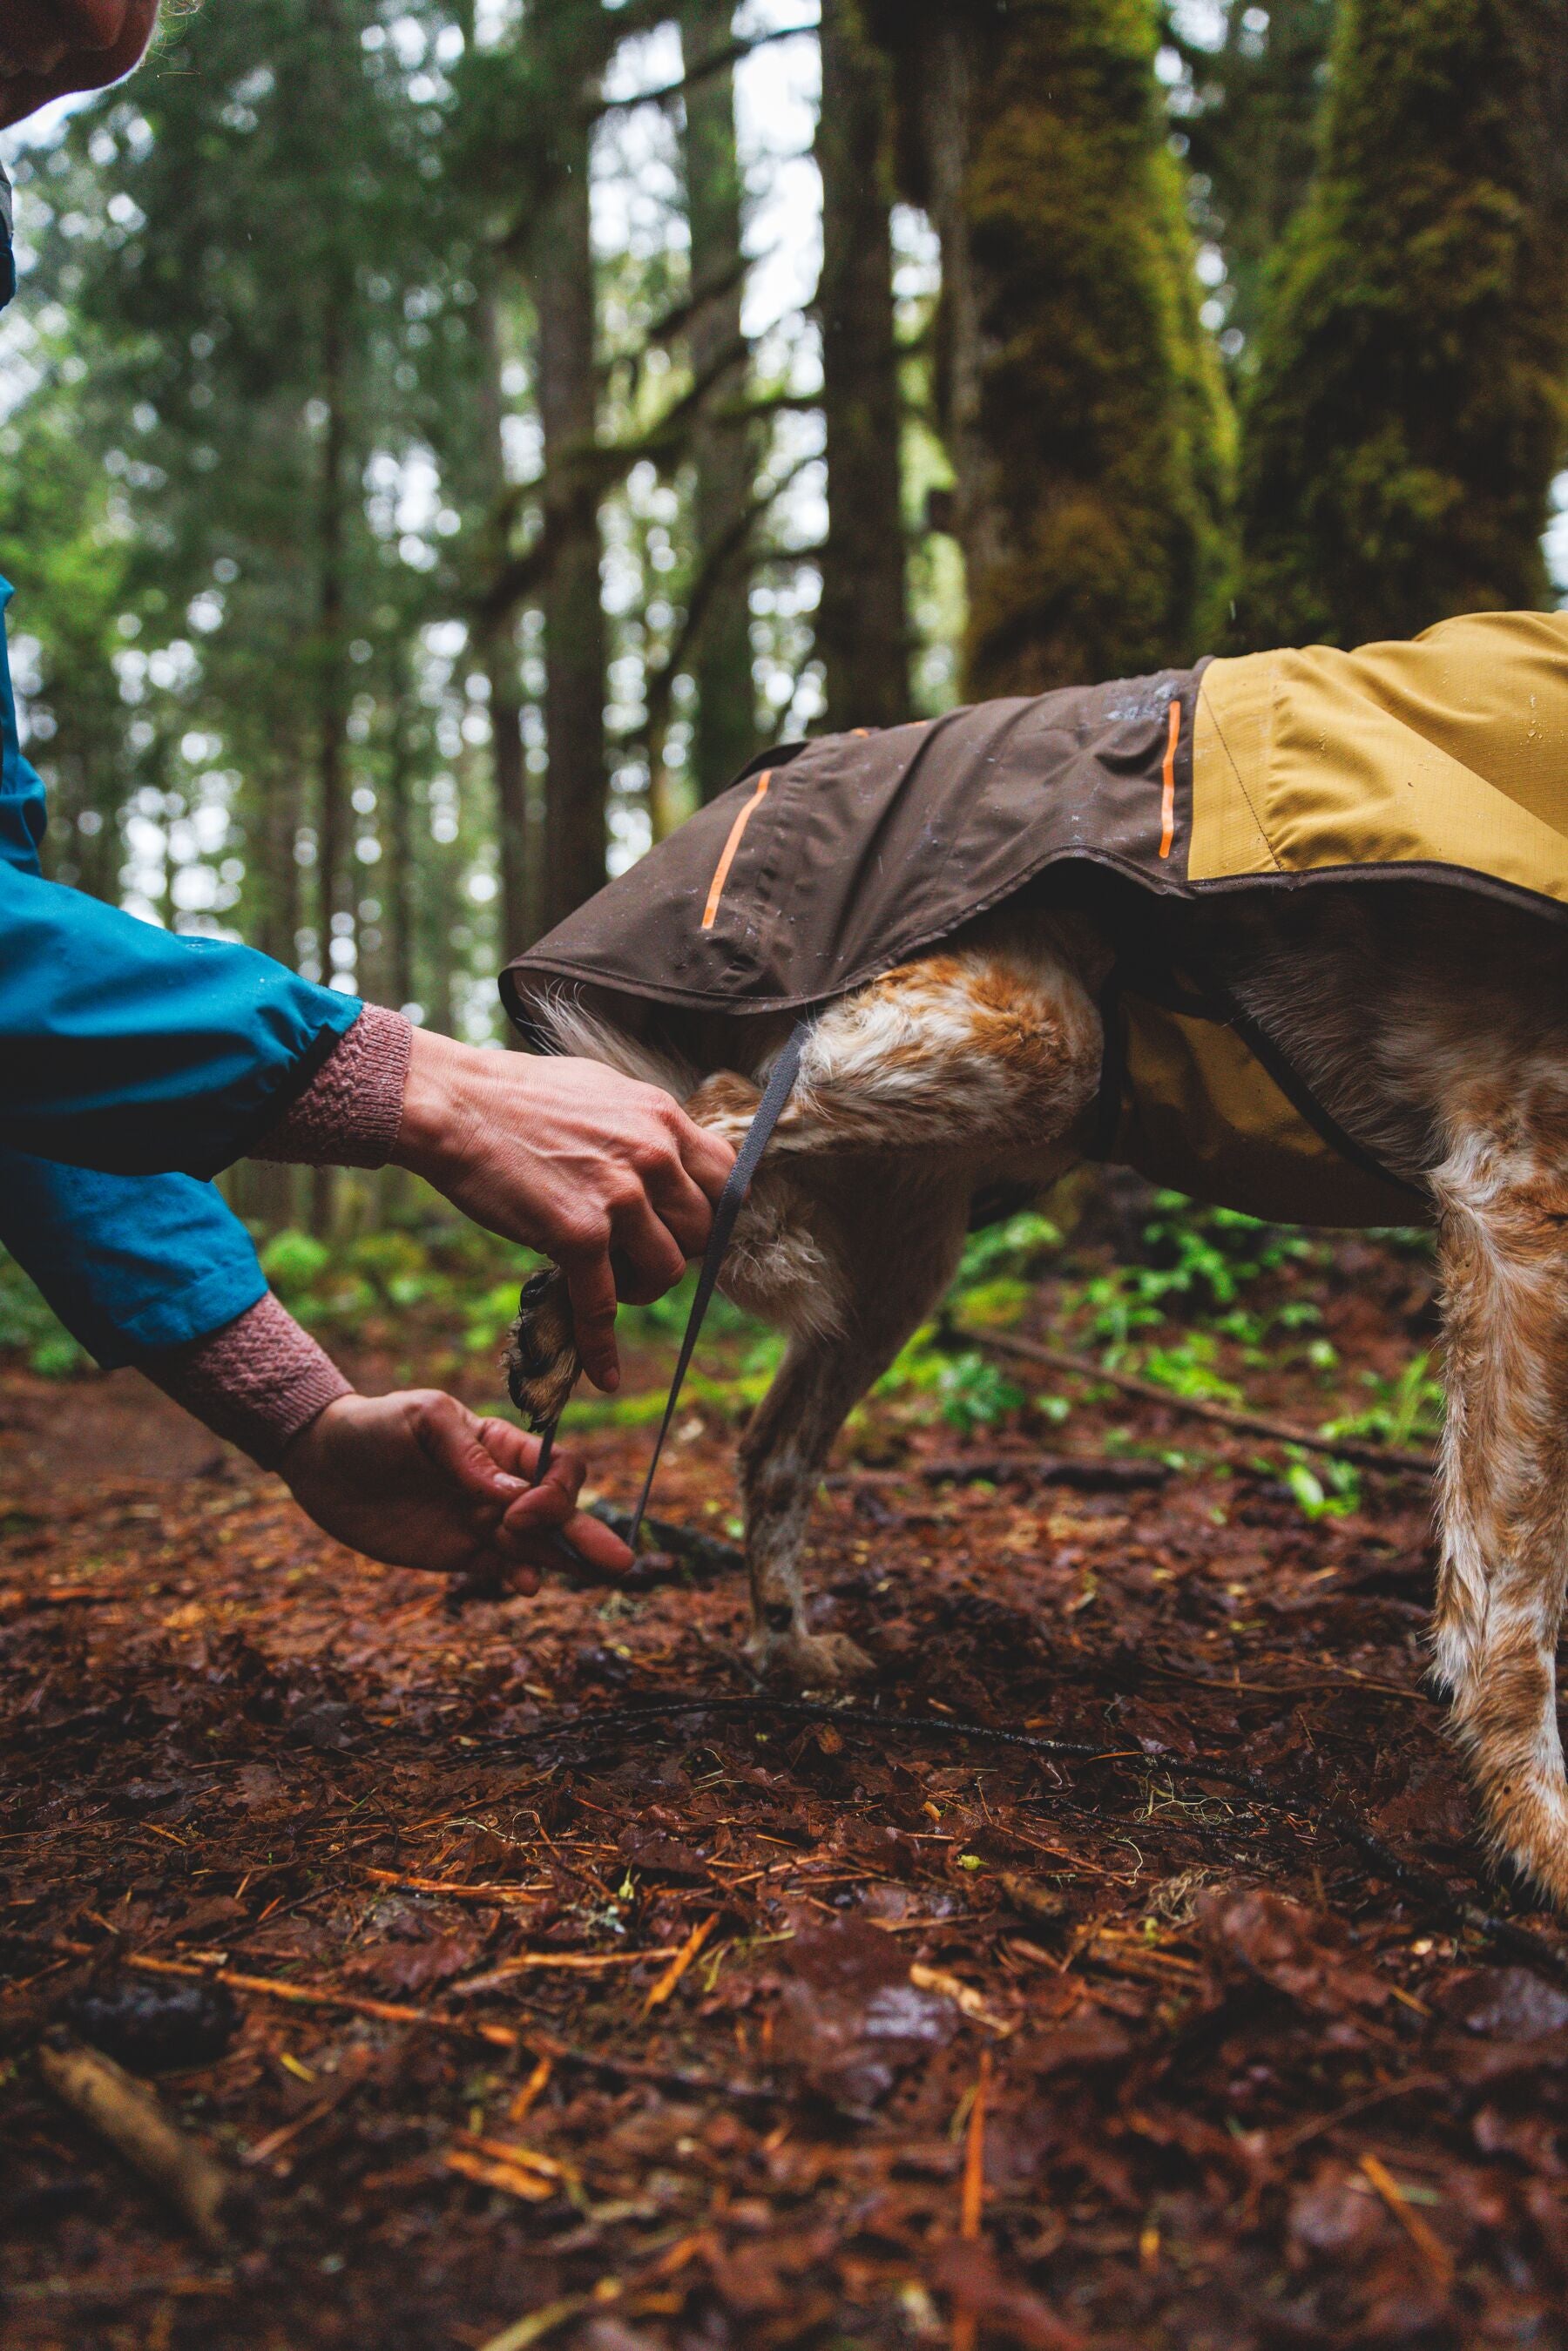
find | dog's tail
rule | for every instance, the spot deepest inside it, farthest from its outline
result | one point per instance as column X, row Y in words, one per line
column 569, row 1025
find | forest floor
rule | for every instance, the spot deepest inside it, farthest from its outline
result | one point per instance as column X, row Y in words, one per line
column 524, row 2016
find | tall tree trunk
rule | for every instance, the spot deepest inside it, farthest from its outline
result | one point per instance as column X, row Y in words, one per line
column 575, row 793
column 863, row 622
column 510, row 774
column 266, row 1190
column 331, row 698
column 1410, row 404
column 722, row 448
column 497, row 649
column 1085, row 416
column 397, row 852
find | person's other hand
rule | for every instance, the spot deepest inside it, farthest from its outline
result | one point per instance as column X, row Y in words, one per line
column 573, row 1159
column 416, row 1479
column 47, row 46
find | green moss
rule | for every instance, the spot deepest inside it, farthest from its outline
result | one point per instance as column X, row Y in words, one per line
column 1410, row 404
column 1092, row 437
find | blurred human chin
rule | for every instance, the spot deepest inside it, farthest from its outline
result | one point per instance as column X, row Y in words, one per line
column 50, row 47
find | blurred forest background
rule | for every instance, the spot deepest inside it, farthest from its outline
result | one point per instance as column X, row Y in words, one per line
column 440, row 442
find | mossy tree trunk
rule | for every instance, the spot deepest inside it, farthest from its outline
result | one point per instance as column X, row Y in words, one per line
column 863, row 622
column 1084, row 408
column 721, row 446
column 1410, row 406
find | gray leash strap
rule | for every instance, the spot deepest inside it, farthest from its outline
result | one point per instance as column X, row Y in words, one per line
column 779, row 1087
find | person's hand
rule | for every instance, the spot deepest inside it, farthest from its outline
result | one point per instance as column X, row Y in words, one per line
column 416, row 1479
column 573, row 1159
column 47, row 46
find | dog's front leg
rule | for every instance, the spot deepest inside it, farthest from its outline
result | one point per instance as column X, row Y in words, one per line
column 889, row 1265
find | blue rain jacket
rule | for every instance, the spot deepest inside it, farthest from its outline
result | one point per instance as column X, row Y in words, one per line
column 133, row 1064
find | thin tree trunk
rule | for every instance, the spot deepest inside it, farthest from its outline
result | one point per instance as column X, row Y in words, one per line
column 945, row 134
column 332, row 688
column 497, row 650
column 501, row 668
column 266, row 1190
column 722, row 448
column 863, row 622
column 397, row 854
column 574, row 622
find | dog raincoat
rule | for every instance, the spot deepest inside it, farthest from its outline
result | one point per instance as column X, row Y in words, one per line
column 831, row 862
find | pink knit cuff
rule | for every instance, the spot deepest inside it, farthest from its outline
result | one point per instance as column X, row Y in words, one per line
column 257, row 1381
column 349, row 1115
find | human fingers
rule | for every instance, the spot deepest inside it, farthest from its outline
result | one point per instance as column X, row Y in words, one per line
column 517, row 1453
column 644, row 1245
column 681, row 1205
column 525, row 1539
column 452, row 1439
column 591, row 1286
column 707, row 1156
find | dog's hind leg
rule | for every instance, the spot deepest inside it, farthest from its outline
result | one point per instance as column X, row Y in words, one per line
column 946, row 1073
column 892, row 1251
column 1503, row 1485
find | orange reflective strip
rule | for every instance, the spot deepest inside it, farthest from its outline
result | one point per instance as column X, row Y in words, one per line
column 721, row 871
column 1167, row 793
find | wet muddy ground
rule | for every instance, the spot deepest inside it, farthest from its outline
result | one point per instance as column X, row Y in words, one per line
column 520, row 2013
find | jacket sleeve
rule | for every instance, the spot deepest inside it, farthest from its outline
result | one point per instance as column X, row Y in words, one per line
column 130, row 1263
column 123, row 1047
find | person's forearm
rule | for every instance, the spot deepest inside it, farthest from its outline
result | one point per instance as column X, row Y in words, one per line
column 351, row 1113
column 257, row 1383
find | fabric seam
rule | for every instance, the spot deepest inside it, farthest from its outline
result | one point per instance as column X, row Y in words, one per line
column 1220, row 733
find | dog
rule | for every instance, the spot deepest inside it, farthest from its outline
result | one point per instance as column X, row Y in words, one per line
column 1429, row 1023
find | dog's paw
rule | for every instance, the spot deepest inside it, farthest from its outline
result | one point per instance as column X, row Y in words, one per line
column 541, row 1358
column 810, row 1661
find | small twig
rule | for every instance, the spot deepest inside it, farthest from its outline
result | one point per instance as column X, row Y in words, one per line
column 552, row 2317
column 19, row 1599
column 680, row 1963
column 1225, row 1416
column 966, row 2325
column 132, row 2118
column 501, row 1897
column 1424, row 2239
column 1317, row 2125
column 580, row 1963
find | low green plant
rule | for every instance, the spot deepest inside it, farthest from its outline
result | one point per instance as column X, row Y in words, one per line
column 1188, row 1368
column 294, row 1264
column 975, row 1393
column 1322, row 1489
column 1405, row 1409
column 29, row 1329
